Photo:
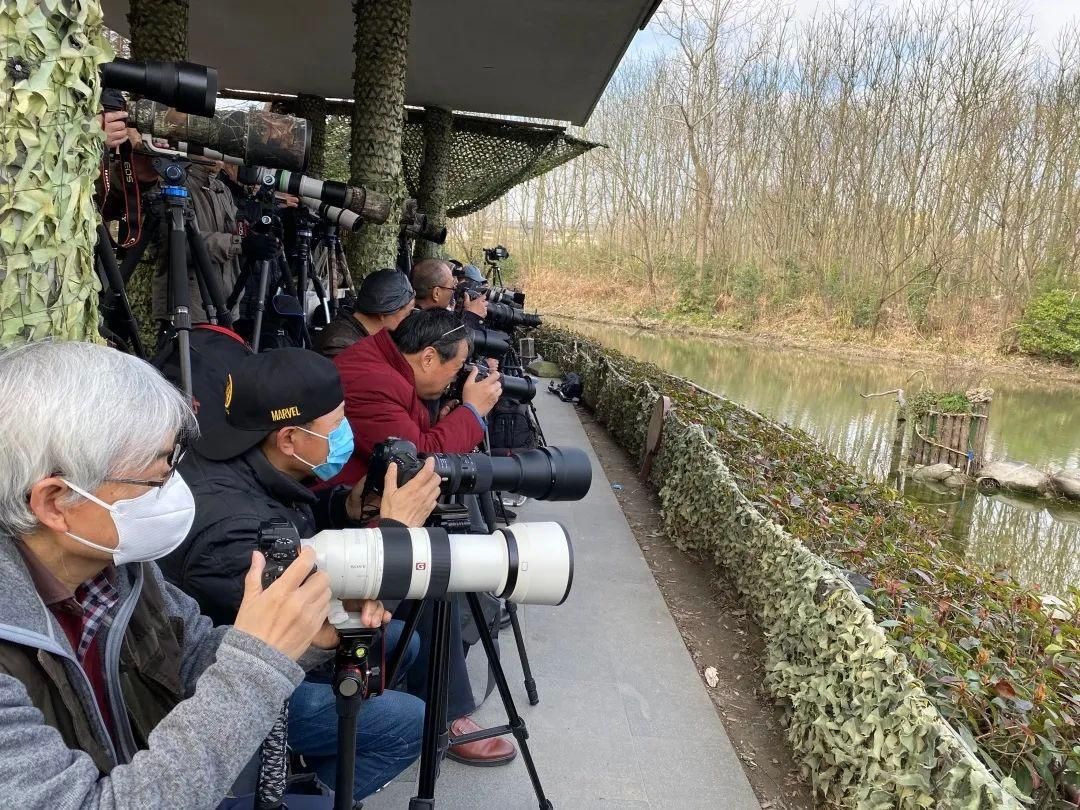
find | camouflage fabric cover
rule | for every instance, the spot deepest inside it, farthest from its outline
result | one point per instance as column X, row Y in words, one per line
column 258, row 137
column 488, row 157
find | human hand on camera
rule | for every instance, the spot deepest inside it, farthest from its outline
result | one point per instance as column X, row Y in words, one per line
column 114, row 123
column 288, row 200
column 412, row 503
column 482, row 394
column 492, row 364
column 446, row 409
column 372, row 614
column 291, row 613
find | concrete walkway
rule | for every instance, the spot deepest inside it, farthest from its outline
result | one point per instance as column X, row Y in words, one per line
column 624, row 720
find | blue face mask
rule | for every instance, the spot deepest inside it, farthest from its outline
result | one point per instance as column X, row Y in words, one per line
column 340, row 441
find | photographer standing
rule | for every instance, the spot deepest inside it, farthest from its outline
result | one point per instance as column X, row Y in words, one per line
column 283, row 422
column 114, row 691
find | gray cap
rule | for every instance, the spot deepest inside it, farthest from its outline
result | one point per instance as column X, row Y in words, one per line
column 384, row 291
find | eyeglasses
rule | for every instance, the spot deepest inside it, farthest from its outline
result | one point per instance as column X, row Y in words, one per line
column 447, row 334
column 175, row 457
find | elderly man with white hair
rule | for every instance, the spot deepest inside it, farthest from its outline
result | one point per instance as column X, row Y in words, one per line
column 114, row 691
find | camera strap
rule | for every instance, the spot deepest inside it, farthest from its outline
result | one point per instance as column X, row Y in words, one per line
column 129, row 228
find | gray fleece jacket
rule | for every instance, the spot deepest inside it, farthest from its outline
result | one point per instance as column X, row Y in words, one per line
column 235, row 685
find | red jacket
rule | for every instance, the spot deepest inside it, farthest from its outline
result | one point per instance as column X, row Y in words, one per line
column 381, row 401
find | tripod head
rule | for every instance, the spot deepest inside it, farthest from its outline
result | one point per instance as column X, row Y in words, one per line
column 359, row 664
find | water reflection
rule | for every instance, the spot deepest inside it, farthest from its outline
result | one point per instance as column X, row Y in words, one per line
column 1038, row 540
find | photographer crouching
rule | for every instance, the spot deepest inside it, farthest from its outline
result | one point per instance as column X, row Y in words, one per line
column 282, row 422
column 114, row 690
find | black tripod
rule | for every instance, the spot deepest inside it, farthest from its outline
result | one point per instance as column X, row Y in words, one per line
column 358, row 673
column 436, row 735
column 170, row 210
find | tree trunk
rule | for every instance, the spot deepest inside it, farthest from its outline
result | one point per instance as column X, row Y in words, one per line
column 48, row 287
column 313, row 108
column 435, row 173
column 381, row 50
column 159, row 30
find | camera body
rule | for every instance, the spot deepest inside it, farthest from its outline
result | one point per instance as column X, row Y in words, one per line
column 496, row 254
column 279, row 543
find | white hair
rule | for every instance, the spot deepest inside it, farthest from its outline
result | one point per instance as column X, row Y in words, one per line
column 82, row 411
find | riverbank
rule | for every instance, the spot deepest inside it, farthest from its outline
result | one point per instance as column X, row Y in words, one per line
column 869, row 618
column 971, row 360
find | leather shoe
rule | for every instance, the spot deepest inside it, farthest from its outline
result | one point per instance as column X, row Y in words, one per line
column 484, row 753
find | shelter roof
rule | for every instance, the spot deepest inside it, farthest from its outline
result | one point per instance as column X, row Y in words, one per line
column 538, row 59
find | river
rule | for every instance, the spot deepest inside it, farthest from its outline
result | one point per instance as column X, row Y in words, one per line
column 1036, row 539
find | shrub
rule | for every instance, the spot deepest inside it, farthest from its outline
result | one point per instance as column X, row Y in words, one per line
column 1050, row 326
column 747, row 285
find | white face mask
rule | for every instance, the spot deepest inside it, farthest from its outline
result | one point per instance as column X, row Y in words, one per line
column 148, row 527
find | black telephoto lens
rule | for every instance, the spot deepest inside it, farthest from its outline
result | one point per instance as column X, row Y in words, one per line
column 545, row 474
column 184, row 86
column 489, row 342
column 519, row 389
column 507, row 317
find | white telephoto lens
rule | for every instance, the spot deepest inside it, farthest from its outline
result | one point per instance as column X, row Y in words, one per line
column 530, row 563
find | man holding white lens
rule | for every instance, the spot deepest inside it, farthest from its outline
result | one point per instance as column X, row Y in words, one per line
column 281, row 422
column 99, row 657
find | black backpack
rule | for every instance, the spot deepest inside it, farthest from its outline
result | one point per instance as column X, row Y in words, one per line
column 510, row 427
column 570, row 389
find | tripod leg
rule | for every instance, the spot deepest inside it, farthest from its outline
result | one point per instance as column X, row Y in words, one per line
column 116, row 284
column 403, row 643
column 516, row 722
column 180, row 293
column 436, row 739
column 523, row 654
column 263, row 267
column 210, row 282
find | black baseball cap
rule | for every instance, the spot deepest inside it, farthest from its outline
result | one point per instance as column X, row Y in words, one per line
column 383, row 292
column 267, row 391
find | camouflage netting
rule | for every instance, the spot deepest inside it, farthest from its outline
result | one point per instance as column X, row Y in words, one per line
column 863, row 727
column 50, row 145
column 489, row 156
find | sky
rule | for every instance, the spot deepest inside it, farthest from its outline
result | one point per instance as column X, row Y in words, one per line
column 1048, row 17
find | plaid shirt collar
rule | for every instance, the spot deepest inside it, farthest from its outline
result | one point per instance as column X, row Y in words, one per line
column 97, row 597
column 92, row 601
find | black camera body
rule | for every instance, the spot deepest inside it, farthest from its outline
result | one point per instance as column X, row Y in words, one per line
column 279, row 543
column 496, row 254
column 545, row 474
column 519, row 389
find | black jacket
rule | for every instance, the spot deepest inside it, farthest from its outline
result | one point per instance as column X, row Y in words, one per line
column 231, row 499
column 338, row 335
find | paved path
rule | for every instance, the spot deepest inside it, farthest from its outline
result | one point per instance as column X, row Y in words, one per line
column 624, row 720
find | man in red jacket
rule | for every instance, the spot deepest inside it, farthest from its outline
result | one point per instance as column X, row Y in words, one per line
column 393, row 383
column 391, row 377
